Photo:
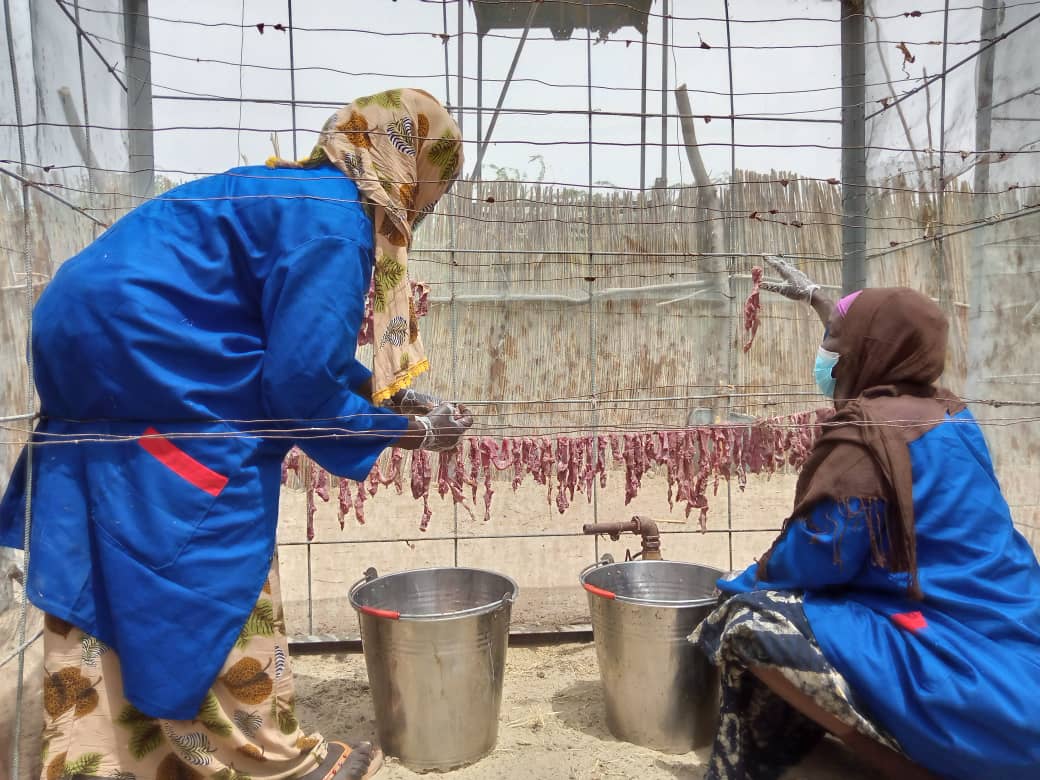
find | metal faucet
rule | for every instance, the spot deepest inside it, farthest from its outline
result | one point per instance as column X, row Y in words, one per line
column 643, row 526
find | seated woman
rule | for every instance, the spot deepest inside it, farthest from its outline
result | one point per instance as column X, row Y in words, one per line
column 898, row 608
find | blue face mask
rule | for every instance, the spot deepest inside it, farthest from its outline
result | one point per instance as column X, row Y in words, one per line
column 824, row 371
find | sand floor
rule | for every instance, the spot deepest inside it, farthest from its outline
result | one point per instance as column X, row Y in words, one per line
column 551, row 724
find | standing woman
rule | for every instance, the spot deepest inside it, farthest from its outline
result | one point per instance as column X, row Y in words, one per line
column 177, row 359
column 898, row 609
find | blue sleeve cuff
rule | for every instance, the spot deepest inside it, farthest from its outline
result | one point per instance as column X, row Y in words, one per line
column 828, row 550
column 742, row 583
column 354, row 453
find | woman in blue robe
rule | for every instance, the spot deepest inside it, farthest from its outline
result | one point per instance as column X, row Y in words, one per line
column 899, row 608
column 177, row 359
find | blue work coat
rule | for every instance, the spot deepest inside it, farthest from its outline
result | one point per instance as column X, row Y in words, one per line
column 955, row 678
column 219, row 322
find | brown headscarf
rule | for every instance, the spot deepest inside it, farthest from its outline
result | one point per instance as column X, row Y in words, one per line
column 893, row 350
column 404, row 151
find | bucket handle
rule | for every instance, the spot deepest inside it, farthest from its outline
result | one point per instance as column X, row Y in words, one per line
column 369, row 575
column 599, row 591
column 604, row 560
column 383, row 613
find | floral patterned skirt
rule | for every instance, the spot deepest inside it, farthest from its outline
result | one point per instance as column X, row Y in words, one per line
column 246, row 728
column 760, row 735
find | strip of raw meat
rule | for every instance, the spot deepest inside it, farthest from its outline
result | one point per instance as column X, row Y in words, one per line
column 752, row 307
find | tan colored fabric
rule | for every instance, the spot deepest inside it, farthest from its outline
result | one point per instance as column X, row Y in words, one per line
column 245, row 730
column 404, row 151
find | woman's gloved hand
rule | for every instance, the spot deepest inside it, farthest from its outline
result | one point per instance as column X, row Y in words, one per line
column 437, row 431
column 797, row 286
column 445, row 425
column 410, row 401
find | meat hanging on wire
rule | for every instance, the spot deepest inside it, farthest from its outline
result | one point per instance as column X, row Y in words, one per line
column 693, row 460
column 752, row 308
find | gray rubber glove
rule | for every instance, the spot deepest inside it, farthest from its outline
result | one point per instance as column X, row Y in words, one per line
column 410, row 401
column 795, row 285
column 444, row 425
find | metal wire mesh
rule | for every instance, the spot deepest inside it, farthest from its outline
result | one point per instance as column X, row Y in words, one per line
column 589, row 276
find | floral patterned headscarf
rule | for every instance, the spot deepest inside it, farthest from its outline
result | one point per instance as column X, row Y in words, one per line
column 404, row 151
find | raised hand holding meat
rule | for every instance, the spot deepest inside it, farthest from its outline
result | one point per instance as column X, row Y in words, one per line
column 797, row 286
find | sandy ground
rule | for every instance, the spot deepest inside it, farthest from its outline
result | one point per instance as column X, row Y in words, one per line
column 551, row 724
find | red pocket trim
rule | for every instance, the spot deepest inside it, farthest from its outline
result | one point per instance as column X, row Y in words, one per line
column 911, row 621
column 181, row 463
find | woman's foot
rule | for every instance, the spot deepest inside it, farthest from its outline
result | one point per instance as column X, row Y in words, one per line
column 346, row 762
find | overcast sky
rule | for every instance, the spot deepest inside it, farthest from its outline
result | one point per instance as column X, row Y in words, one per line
column 785, row 60
column 799, row 82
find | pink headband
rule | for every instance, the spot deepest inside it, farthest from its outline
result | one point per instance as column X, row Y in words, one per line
column 843, row 305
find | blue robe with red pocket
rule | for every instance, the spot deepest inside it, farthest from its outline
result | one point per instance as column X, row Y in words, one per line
column 177, row 359
column 955, row 678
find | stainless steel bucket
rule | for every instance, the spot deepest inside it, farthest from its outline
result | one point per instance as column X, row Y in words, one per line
column 435, row 647
column 660, row 690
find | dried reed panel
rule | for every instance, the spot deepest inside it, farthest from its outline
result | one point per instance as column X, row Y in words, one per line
column 526, row 247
